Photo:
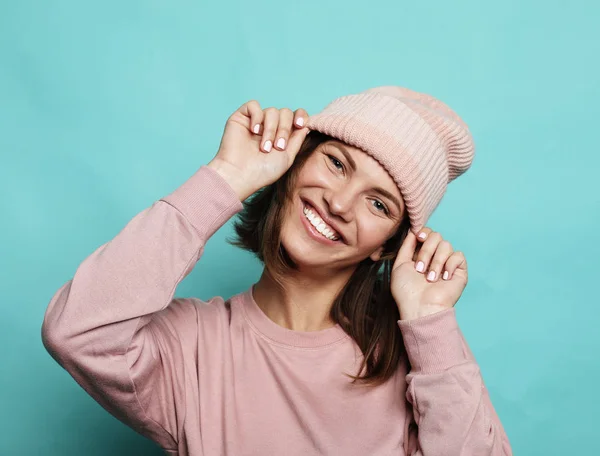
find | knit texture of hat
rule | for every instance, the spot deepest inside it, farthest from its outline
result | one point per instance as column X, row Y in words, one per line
column 420, row 141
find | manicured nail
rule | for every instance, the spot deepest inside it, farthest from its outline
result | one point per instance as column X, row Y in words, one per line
column 300, row 122
column 256, row 128
column 422, row 235
column 420, row 266
column 281, row 143
column 445, row 276
column 431, row 275
column 267, row 146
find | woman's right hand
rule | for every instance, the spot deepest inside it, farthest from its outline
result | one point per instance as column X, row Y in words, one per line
column 258, row 146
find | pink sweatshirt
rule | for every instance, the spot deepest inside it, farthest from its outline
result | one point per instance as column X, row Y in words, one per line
column 221, row 378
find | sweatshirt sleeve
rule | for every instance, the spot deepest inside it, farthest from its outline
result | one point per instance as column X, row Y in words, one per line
column 115, row 326
column 450, row 403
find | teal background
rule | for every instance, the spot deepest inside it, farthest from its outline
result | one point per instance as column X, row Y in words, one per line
column 108, row 106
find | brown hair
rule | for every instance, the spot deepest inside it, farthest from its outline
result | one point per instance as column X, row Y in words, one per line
column 364, row 308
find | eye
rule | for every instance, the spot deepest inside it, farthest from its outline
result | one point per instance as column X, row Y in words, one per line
column 381, row 207
column 338, row 164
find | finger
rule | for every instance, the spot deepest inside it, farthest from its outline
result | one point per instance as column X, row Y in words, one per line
column 427, row 250
column 295, row 142
column 407, row 249
column 440, row 257
column 299, row 133
column 424, row 233
column 300, row 118
column 286, row 118
column 455, row 262
column 270, row 123
column 254, row 112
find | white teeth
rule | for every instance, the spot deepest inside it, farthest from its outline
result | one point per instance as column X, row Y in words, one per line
column 320, row 225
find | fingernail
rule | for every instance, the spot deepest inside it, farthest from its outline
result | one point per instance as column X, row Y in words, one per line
column 420, row 266
column 445, row 276
column 256, row 128
column 281, row 143
column 300, row 122
column 431, row 275
column 422, row 235
column 267, row 146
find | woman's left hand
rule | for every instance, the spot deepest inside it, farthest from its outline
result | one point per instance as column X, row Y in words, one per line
column 418, row 284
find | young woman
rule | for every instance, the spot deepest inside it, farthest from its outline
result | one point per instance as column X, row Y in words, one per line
column 347, row 345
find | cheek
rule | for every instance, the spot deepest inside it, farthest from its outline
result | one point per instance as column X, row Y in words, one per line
column 372, row 231
column 314, row 173
column 292, row 229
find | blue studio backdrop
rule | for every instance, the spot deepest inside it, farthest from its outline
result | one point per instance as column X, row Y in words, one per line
column 107, row 106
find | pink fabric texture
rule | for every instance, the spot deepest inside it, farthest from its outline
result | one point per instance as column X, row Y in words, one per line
column 419, row 140
column 218, row 377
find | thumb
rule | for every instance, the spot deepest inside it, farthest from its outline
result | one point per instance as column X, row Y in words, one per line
column 407, row 249
column 295, row 142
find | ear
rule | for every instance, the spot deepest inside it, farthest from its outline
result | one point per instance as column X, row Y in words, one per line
column 376, row 255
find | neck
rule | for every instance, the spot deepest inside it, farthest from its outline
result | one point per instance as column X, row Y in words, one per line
column 302, row 302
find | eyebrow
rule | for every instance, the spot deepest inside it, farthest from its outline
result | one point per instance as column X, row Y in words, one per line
column 379, row 190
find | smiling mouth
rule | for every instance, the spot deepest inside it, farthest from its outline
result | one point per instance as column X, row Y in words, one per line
column 322, row 227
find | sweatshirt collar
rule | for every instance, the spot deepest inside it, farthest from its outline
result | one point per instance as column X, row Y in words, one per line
column 275, row 333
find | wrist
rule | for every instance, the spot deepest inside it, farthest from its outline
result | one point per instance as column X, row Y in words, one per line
column 232, row 176
column 420, row 311
column 434, row 343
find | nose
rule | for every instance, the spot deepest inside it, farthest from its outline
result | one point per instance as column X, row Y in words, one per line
column 340, row 201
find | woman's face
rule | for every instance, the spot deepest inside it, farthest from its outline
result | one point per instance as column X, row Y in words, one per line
column 344, row 207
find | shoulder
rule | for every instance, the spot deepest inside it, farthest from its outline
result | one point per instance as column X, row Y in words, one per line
column 208, row 315
column 185, row 317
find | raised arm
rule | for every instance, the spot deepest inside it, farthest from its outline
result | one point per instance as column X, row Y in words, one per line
column 115, row 326
column 451, row 405
column 96, row 325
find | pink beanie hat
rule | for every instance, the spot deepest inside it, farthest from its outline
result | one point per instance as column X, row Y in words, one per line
column 419, row 140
